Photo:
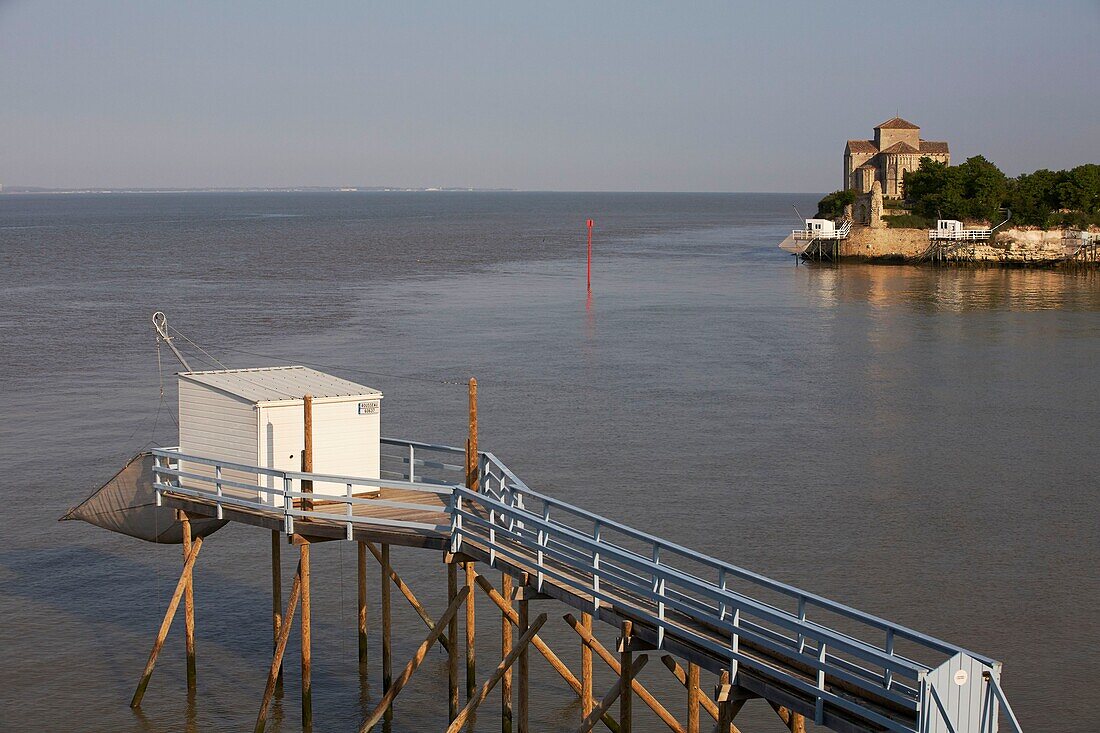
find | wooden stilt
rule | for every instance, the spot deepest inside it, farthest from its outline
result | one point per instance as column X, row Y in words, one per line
column 307, row 639
column 307, row 451
column 626, row 695
column 188, row 605
column 409, row 596
column 609, row 659
column 387, row 651
column 276, row 598
column 723, row 696
column 795, row 722
column 609, row 699
column 555, row 662
column 472, row 482
column 587, row 703
column 452, row 654
column 524, row 672
column 361, row 569
column 505, row 650
column 471, row 627
column 693, row 698
column 166, row 623
column 479, row 697
column 280, row 649
column 676, row 669
column 418, row 658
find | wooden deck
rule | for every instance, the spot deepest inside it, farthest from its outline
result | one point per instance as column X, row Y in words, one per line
column 320, row 530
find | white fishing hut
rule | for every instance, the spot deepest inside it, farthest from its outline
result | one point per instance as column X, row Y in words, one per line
column 254, row 417
column 820, row 227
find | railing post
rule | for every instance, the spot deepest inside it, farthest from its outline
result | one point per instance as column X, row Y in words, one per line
column 350, row 518
column 218, row 488
column 492, row 537
column 156, row 477
column 735, row 644
column 412, row 460
column 288, row 518
column 659, row 589
column 819, row 706
column 888, row 675
column 801, row 620
column 596, row 567
column 542, row 541
column 722, row 604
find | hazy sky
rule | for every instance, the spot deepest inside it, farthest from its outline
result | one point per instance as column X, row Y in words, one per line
column 701, row 96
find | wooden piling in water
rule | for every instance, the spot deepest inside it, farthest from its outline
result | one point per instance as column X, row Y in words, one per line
column 693, row 697
column 472, row 482
column 307, row 637
column 521, row 645
column 524, row 671
column 166, row 623
column 505, row 650
column 587, row 703
column 409, row 596
column 188, row 605
column 386, row 702
column 609, row 699
column 361, row 588
column 276, row 598
column 280, row 648
column 452, row 654
column 387, row 621
column 626, row 695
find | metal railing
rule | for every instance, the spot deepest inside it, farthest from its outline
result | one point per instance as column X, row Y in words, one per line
column 960, row 235
column 184, row 475
column 692, row 596
column 840, row 232
column 829, row 652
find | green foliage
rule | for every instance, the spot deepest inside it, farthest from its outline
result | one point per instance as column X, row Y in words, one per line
column 832, row 206
column 908, row 221
column 977, row 190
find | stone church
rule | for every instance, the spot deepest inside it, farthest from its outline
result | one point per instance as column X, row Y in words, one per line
column 895, row 149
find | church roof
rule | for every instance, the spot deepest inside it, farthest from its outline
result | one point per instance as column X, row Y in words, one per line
column 931, row 146
column 901, row 148
column 862, row 146
column 897, row 123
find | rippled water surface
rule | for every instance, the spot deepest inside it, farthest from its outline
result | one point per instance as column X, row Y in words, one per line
column 917, row 442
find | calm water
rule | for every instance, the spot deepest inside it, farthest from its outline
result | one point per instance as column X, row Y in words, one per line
column 919, row 443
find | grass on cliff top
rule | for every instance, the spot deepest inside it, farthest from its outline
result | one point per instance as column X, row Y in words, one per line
column 908, row 221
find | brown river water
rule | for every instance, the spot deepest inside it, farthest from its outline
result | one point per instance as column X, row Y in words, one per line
column 919, row 443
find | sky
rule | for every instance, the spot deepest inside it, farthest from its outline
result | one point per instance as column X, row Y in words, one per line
column 623, row 96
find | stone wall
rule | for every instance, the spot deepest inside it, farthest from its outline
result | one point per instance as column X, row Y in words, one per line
column 1009, row 246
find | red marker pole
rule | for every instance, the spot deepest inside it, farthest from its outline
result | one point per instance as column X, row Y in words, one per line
column 589, row 254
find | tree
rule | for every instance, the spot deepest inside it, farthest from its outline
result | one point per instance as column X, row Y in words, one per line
column 832, row 205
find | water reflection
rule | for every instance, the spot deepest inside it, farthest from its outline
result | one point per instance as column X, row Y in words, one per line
column 955, row 289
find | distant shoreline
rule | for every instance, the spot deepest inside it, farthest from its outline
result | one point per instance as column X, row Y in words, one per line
column 277, row 189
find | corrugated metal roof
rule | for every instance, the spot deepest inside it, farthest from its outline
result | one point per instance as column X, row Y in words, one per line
column 275, row 384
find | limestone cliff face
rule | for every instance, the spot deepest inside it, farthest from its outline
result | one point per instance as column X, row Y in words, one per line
column 1009, row 246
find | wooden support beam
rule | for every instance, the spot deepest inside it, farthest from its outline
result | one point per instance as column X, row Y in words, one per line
column 587, row 703
column 409, row 596
column 626, row 661
column 280, row 649
column 472, row 483
column 556, row 663
column 479, row 697
column 678, row 671
column 166, row 623
column 276, row 597
column 795, row 722
column 452, row 655
column 307, row 638
column 505, row 648
column 386, row 702
column 307, row 451
column 609, row 699
column 524, row 672
column 723, row 693
column 693, row 697
column 361, row 570
column 188, row 605
column 609, row 659
column 387, row 623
